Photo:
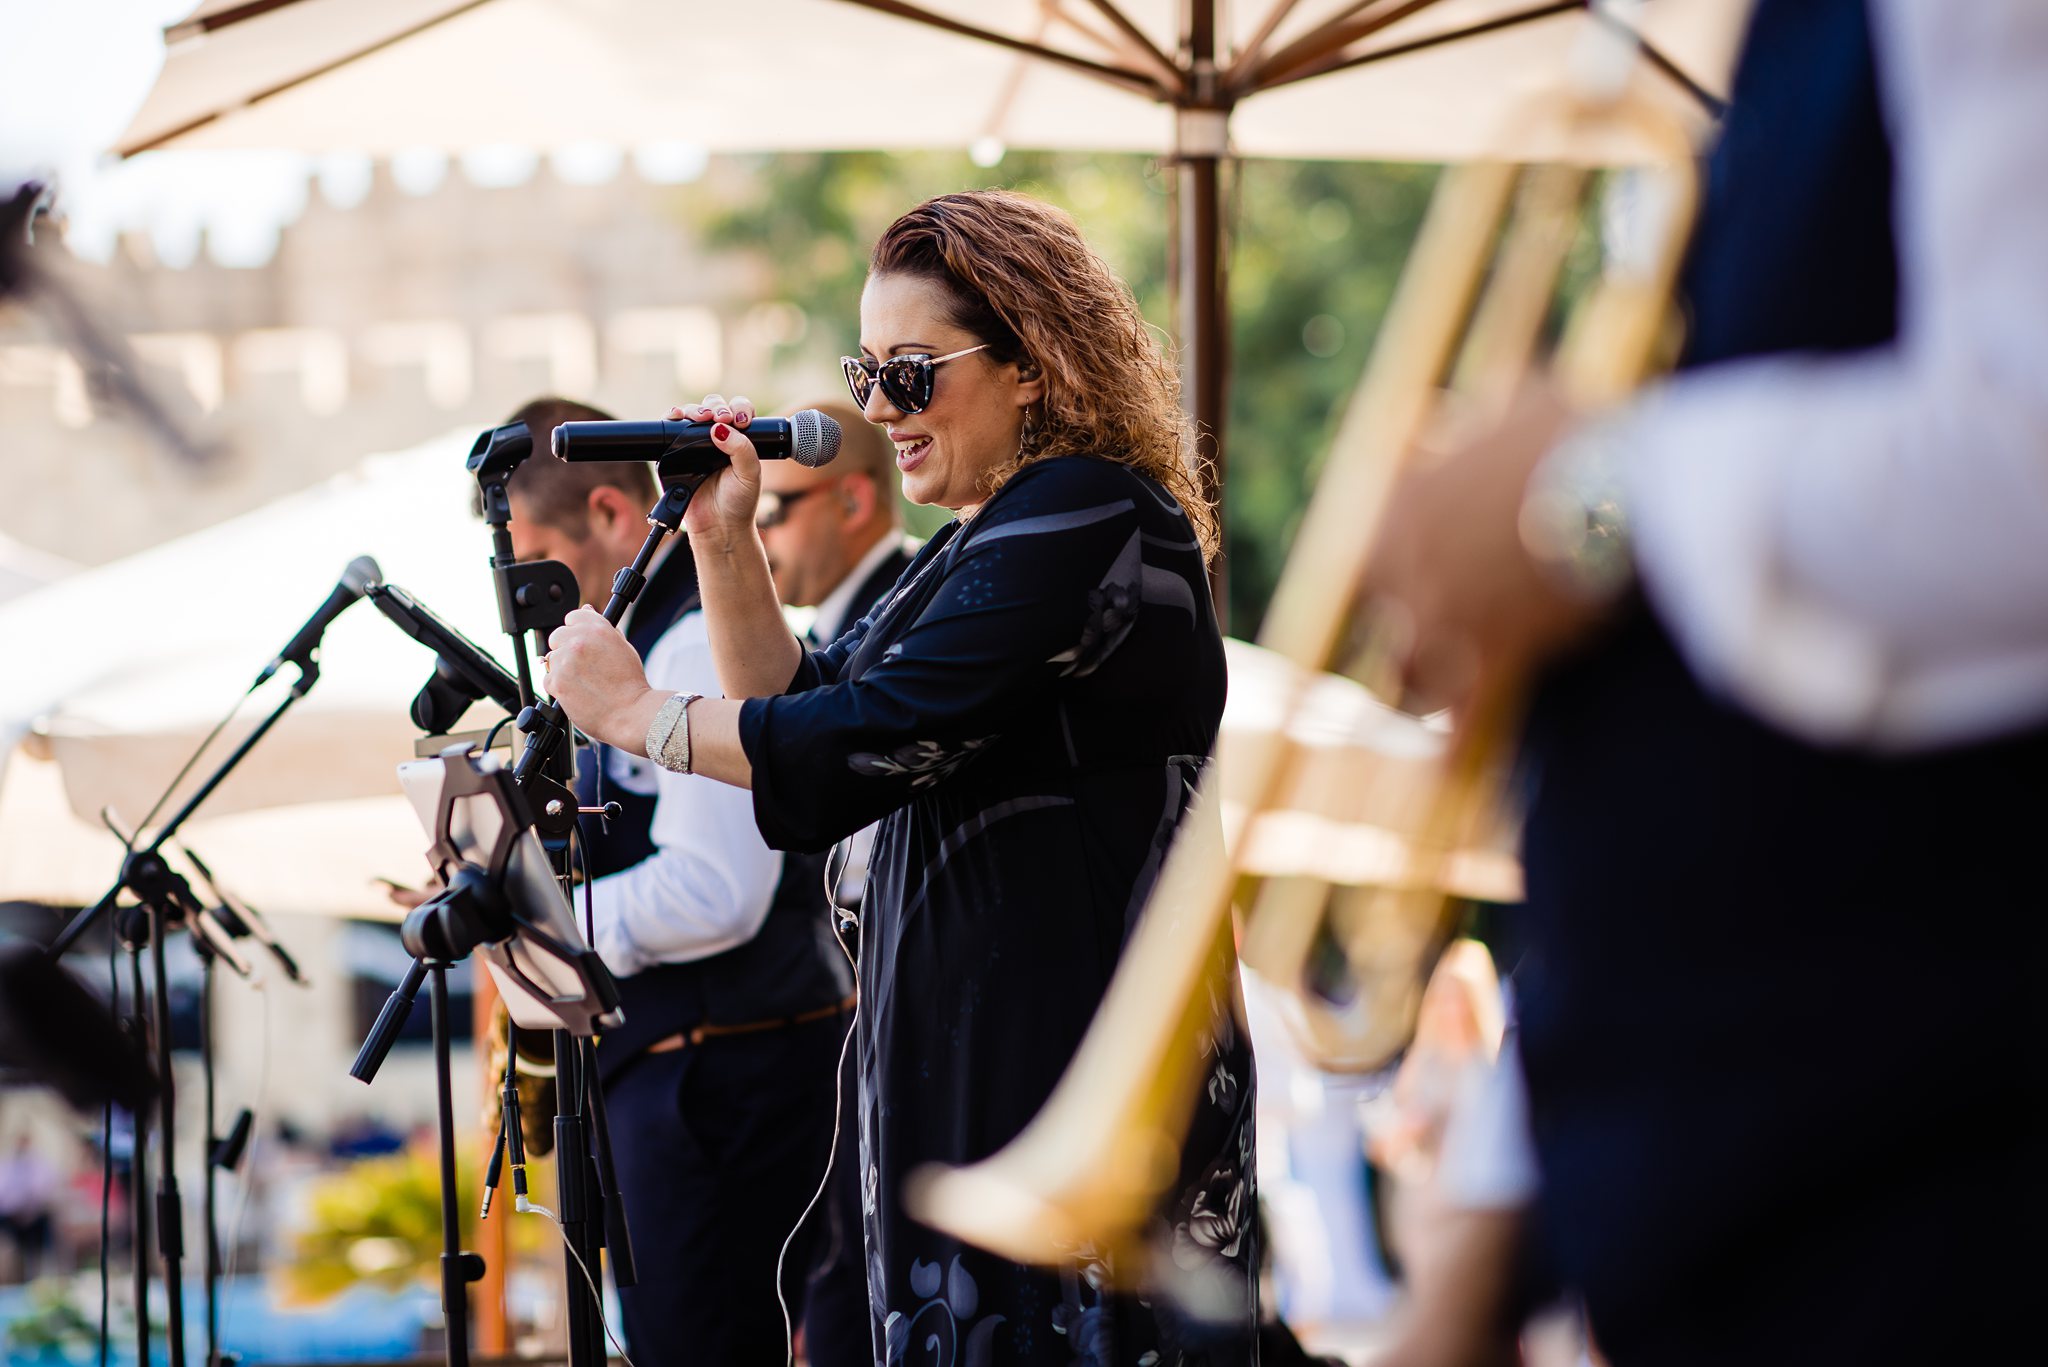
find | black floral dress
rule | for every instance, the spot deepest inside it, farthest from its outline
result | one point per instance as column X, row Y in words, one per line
column 1026, row 714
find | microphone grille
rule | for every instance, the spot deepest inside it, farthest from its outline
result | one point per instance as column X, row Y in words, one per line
column 361, row 573
column 813, row 437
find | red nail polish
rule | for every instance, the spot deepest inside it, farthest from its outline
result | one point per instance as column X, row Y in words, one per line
column 720, row 432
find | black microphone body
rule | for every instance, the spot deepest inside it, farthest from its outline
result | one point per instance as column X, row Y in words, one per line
column 302, row 648
column 680, row 448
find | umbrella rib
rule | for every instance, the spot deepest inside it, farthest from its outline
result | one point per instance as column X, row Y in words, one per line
column 281, row 87
column 1254, row 48
column 1006, row 98
column 1120, row 76
column 228, row 18
column 1713, row 104
column 1056, row 12
column 1339, row 62
column 1708, row 100
column 1159, row 61
column 1320, row 44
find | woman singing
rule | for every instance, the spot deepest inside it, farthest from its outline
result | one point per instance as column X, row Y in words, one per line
column 1025, row 715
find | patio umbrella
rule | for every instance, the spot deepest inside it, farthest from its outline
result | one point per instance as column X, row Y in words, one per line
column 1427, row 80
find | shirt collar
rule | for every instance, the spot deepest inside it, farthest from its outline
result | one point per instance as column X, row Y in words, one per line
column 830, row 622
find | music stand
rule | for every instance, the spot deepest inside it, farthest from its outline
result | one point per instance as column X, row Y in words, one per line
column 500, row 901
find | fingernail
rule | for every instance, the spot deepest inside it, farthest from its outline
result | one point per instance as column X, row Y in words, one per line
column 720, row 432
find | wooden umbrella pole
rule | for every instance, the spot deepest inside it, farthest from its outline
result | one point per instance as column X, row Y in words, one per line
column 1201, row 141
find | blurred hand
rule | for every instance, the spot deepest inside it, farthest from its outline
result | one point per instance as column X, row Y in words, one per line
column 1474, row 610
column 406, row 898
column 722, row 511
column 596, row 675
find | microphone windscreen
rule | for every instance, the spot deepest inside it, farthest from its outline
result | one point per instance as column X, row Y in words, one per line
column 813, row 437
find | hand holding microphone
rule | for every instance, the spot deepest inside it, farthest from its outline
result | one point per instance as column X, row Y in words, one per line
column 724, row 507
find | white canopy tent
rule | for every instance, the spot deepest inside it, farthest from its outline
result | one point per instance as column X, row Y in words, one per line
column 136, row 661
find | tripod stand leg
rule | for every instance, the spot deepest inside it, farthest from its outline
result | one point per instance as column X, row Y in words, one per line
column 211, row 1194
column 618, row 1240
column 458, row 1268
column 138, row 1168
column 572, row 1176
column 170, row 1217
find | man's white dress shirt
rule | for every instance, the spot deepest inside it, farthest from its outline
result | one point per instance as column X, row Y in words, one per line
column 710, row 881
column 1855, row 548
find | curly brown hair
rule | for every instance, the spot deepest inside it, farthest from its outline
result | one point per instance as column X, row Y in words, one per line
column 1020, row 277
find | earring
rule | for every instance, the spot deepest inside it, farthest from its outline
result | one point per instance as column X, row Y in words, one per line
column 1024, row 435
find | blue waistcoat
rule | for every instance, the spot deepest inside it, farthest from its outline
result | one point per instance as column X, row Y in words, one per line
column 790, row 968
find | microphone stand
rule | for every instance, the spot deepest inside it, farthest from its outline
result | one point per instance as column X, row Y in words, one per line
column 210, row 1201
column 219, row 1153
column 166, row 902
column 164, row 896
column 138, row 1151
column 459, row 1267
column 163, row 904
column 479, row 906
column 547, row 731
column 135, row 866
column 534, row 597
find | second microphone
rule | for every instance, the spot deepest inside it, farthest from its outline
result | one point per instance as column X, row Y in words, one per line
column 807, row 437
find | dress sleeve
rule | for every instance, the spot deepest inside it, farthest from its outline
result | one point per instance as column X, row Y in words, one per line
column 1043, row 584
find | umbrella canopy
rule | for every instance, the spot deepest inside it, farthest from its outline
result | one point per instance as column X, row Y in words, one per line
column 1430, row 80
column 136, row 661
column 1434, row 80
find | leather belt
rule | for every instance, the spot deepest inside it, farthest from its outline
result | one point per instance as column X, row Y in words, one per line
column 683, row 1039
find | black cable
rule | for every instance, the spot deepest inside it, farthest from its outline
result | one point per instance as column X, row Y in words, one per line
column 204, row 746
column 491, row 736
column 579, row 853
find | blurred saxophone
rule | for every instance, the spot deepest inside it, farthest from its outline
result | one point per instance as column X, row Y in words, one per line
column 1351, row 954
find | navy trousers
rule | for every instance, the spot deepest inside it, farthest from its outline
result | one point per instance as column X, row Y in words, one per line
column 719, row 1147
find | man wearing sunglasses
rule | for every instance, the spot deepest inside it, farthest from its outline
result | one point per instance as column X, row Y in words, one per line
column 835, row 534
column 835, row 543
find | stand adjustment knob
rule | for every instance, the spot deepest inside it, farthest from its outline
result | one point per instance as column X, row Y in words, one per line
column 527, row 595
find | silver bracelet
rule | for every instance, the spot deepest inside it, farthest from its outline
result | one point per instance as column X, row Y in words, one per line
column 668, row 735
column 663, row 726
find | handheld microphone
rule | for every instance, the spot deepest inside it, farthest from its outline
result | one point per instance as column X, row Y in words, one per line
column 303, row 649
column 807, row 437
